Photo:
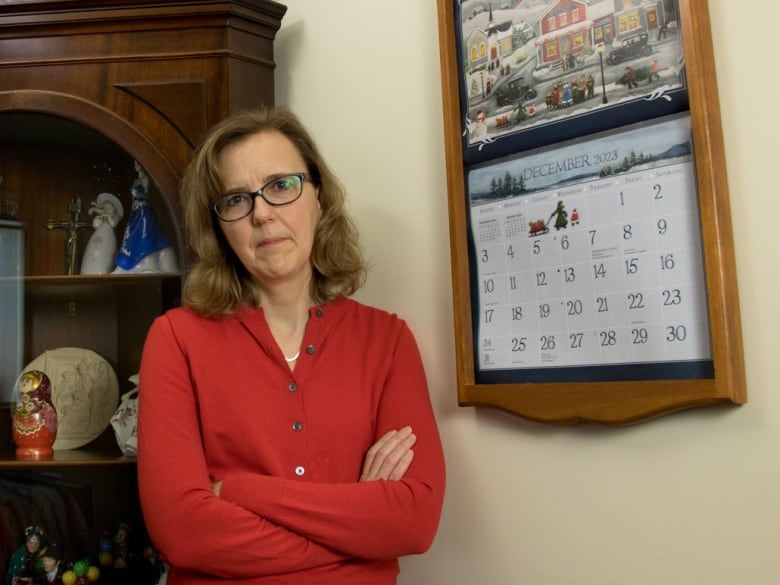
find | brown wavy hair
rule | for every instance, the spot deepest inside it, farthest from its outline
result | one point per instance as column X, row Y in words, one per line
column 217, row 283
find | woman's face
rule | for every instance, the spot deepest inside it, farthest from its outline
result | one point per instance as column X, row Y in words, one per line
column 274, row 243
column 33, row 544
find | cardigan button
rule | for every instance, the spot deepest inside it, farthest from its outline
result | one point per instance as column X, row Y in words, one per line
column 297, row 426
column 299, row 471
column 293, row 387
column 319, row 313
column 310, row 349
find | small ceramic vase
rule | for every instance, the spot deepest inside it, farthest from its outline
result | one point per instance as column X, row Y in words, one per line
column 34, row 424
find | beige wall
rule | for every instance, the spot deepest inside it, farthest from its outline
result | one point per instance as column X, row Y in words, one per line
column 688, row 499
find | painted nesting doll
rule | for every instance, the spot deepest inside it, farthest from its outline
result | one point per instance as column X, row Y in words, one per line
column 34, row 425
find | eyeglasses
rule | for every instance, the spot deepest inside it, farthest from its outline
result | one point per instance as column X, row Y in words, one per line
column 281, row 190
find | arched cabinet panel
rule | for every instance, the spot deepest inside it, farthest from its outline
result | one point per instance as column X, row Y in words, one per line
column 70, row 148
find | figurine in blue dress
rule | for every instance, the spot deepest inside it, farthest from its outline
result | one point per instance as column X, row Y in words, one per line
column 144, row 246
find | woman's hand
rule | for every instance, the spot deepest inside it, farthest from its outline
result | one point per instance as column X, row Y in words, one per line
column 390, row 456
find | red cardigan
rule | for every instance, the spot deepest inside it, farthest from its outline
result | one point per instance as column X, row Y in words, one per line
column 218, row 402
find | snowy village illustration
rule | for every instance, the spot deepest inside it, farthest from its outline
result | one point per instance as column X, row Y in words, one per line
column 527, row 63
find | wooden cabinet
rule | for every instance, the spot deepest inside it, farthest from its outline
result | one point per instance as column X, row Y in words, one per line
column 87, row 89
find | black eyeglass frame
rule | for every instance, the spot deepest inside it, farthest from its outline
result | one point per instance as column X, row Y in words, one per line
column 302, row 177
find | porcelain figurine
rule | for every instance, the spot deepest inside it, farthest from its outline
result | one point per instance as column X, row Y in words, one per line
column 99, row 254
column 52, row 566
column 22, row 567
column 34, row 428
column 144, row 246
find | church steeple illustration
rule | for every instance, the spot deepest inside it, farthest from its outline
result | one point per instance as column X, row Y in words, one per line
column 494, row 48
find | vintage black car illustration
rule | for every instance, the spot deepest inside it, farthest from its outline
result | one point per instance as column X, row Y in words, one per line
column 515, row 90
column 630, row 47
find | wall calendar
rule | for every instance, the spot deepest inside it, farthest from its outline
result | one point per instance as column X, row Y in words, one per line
column 593, row 268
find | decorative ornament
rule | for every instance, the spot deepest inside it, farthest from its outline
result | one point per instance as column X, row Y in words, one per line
column 99, row 254
column 144, row 247
column 34, row 420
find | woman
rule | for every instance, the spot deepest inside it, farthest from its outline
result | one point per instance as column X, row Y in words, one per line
column 286, row 434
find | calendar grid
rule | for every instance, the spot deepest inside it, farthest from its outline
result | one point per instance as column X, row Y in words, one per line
column 605, row 272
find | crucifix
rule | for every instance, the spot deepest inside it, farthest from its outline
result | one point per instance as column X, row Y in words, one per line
column 73, row 225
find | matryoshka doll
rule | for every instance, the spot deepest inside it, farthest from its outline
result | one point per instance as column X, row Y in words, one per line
column 34, row 425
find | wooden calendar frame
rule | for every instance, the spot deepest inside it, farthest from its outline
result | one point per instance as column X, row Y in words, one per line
column 623, row 401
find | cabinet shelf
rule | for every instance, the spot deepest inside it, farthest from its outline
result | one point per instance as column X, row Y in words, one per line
column 84, row 285
column 70, row 458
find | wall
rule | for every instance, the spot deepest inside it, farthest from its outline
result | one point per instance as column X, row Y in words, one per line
column 687, row 499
